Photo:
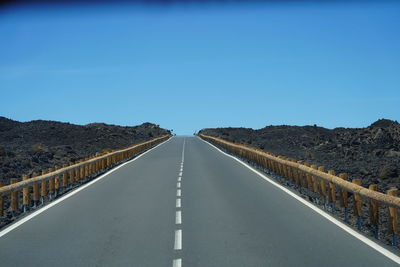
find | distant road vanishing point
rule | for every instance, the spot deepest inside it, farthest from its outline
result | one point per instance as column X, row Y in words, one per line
column 184, row 203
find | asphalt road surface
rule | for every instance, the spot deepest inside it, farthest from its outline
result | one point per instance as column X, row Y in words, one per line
column 183, row 204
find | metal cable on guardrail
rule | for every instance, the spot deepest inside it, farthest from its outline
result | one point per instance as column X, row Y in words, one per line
column 324, row 187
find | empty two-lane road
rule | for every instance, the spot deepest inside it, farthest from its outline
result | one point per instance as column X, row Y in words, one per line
column 183, row 203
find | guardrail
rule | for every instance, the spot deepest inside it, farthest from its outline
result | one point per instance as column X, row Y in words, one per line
column 52, row 181
column 320, row 184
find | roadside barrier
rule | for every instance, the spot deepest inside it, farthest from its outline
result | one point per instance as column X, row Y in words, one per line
column 47, row 186
column 320, row 185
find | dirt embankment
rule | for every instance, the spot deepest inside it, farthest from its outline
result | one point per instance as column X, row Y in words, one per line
column 27, row 147
column 371, row 153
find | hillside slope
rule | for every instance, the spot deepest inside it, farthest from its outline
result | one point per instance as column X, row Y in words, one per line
column 371, row 153
column 27, row 147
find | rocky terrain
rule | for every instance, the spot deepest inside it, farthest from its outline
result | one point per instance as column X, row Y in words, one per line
column 371, row 153
column 27, row 147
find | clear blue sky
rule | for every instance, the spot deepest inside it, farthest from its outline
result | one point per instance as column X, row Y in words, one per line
column 193, row 66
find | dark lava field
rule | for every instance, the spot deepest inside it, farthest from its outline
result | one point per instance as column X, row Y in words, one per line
column 371, row 153
column 27, row 147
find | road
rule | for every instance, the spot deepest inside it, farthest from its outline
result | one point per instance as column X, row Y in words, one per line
column 183, row 203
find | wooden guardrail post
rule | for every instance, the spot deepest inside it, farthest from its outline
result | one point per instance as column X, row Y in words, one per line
column 81, row 172
column 297, row 177
column 357, row 205
column 25, row 194
column 314, row 181
column 86, row 169
column 97, row 166
column 332, row 192
column 43, row 188
column 280, row 169
column 103, row 164
column 293, row 174
column 308, row 181
column 373, row 212
column 1, row 202
column 108, row 164
column 93, row 168
column 51, row 183
column 90, row 167
column 108, row 160
column 65, row 178
column 300, row 176
column 14, row 198
column 286, row 172
column 77, row 174
column 274, row 167
column 323, row 186
column 344, row 201
column 393, row 221
column 71, row 175
column 57, row 182
column 36, row 193
column 264, row 163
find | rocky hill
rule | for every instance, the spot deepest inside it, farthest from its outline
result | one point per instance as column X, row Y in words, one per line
column 27, row 147
column 371, row 153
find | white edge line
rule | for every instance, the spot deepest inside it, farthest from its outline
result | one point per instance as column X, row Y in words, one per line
column 178, row 203
column 346, row 228
column 70, row 194
column 178, row 240
column 177, row 263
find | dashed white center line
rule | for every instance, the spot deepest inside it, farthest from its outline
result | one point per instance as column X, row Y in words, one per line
column 178, row 217
column 178, row 240
column 177, row 263
column 178, row 213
